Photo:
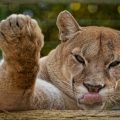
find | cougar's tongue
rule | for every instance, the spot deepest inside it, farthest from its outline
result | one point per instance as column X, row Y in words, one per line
column 91, row 99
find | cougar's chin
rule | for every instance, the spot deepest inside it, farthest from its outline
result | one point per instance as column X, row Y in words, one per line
column 92, row 107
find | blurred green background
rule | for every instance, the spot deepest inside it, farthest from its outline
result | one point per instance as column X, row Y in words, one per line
column 86, row 12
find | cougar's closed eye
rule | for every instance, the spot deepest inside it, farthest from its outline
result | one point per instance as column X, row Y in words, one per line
column 114, row 64
column 79, row 58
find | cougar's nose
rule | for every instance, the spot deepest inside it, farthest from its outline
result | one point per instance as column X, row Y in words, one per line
column 93, row 88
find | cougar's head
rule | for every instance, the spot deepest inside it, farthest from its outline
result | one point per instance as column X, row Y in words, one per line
column 88, row 63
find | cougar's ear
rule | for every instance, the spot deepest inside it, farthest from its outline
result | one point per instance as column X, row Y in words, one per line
column 67, row 25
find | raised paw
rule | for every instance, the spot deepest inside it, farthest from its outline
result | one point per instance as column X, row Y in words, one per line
column 19, row 30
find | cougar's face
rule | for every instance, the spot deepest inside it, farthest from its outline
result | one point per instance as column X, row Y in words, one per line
column 94, row 67
column 91, row 63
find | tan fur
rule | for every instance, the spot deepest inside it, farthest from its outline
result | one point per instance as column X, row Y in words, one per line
column 29, row 83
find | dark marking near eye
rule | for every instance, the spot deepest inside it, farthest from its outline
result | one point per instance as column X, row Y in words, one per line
column 73, row 82
column 78, row 58
column 114, row 64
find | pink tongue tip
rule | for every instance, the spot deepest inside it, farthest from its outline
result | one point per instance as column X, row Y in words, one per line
column 91, row 98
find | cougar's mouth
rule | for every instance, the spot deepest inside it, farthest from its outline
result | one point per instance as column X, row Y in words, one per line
column 90, row 101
